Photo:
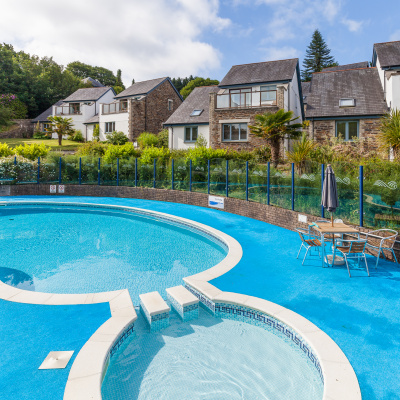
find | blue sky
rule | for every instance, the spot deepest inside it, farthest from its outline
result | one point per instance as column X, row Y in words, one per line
column 155, row 38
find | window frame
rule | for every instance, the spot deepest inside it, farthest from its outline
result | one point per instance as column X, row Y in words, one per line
column 75, row 107
column 45, row 125
column 347, row 98
column 107, row 125
column 230, row 132
column 191, row 127
column 125, row 107
column 346, row 135
column 170, row 105
column 199, row 112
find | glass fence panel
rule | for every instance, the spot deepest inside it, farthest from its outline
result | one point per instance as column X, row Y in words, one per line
column 200, row 176
column 89, row 174
column 108, row 173
column 145, row 174
column 181, row 174
column 281, row 185
column 127, row 172
column 163, row 174
column 25, row 171
column 70, row 170
column 237, row 179
column 258, row 182
column 307, row 187
column 382, row 195
column 49, row 170
column 348, row 192
column 218, row 176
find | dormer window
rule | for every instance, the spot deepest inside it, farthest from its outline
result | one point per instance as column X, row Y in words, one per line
column 196, row 113
column 347, row 102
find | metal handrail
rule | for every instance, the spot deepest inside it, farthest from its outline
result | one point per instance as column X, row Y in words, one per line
column 245, row 99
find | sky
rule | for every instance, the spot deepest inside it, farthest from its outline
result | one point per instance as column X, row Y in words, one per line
column 155, row 38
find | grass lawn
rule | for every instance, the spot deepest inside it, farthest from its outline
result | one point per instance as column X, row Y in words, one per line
column 53, row 143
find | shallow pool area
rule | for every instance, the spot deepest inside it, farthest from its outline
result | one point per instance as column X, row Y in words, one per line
column 210, row 358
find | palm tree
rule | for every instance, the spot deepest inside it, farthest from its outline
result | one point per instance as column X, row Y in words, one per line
column 389, row 135
column 301, row 152
column 61, row 126
column 274, row 127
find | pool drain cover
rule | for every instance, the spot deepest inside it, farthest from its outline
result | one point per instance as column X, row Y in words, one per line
column 56, row 360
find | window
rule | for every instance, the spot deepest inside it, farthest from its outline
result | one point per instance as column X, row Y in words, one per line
column 268, row 94
column 45, row 126
column 191, row 133
column 347, row 102
column 74, row 108
column 110, row 127
column 196, row 113
column 170, row 104
column 348, row 130
column 240, row 97
column 123, row 105
column 234, row 132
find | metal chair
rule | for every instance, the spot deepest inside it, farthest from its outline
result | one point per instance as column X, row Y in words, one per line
column 329, row 237
column 386, row 239
column 308, row 241
column 352, row 249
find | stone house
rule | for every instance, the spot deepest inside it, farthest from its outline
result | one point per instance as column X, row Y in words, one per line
column 144, row 106
column 344, row 102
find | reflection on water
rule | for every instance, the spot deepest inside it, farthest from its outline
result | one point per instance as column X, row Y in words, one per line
column 16, row 278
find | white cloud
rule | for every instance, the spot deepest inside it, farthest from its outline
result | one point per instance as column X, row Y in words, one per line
column 146, row 39
column 352, row 26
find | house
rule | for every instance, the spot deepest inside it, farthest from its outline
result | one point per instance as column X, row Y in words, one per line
column 42, row 118
column 386, row 59
column 83, row 104
column 345, row 102
column 144, row 106
column 93, row 82
column 248, row 90
column 191, row 119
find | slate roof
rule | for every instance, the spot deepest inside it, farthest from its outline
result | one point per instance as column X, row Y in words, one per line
column 363, row 64
column 141, row 88
column 305, row 88
column 197, row 100
column 94, row 82
column 93, row 120
column 43, row 116
column 269, row 71
column 87, row 94
column 388, row 53
column 327, row 88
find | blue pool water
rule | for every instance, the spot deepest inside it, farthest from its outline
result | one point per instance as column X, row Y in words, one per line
column 70, row 249
column 210, row 358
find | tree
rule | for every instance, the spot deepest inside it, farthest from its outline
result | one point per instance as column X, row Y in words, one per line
column 389, row 135
column 273, row 127
column 317, row 56
column 82, row 70
column 180, row 83
column 133, row 81
column 196, row 83
column 61, row 126
column 118, row 81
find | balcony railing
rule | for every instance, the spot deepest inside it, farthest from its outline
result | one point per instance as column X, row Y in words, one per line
column 264, row 98
column 67, row 110
column 115, row 108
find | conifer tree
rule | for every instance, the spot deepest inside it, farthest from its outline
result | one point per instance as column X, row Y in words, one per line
column 317, row 57
column 118, row 81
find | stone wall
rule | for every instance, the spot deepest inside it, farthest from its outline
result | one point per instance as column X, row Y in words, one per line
column 149, row 114
column 217, row 115
column 23, row 128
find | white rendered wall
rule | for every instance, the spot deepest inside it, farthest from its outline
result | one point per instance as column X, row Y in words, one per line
column 395, row 91
column 176, row 137
column 121, row 123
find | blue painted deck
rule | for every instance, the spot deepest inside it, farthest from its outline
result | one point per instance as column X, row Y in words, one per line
column 361, row 314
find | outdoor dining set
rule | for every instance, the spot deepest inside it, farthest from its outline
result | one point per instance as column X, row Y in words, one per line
column 344, row 241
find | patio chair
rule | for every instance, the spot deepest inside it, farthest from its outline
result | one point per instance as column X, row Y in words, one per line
column 353, row 249
column 381, row 240
column 308, row 241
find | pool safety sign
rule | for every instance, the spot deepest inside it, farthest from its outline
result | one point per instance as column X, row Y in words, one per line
column 53, row 189
column 61, row 188
column 217, row 202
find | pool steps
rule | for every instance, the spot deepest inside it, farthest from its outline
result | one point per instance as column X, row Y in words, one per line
column 155, row 310
column 185, row 303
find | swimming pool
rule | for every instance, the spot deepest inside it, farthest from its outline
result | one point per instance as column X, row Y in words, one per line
column 83, row 249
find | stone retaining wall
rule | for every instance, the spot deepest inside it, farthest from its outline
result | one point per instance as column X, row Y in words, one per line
column 23, row 128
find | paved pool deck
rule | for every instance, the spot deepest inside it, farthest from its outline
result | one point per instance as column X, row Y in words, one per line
column 361, row 314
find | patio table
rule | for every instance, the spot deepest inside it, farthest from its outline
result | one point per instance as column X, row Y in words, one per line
column 326, row 228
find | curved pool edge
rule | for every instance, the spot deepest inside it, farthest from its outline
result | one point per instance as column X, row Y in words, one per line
column 339, row 378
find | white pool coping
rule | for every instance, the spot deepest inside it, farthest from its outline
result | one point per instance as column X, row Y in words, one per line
column 84, row 380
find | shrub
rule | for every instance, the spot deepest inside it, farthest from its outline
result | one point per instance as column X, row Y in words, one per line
column 92, row 149
column 40, row 135
column 199, row 153
column 163, row 138
column 5, row 116
column 96, row 133
column 5, row 151
column 150, row 153
column 125, row 151
column 116, row 138
column 147, row 139
column 78, row 137
column 262, row 154
column 32, row 151
column 201, row 141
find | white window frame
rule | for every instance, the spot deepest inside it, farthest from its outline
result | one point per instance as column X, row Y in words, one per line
column 191, row 127
column 170, row 105
column 108, row 125
column 346, row 136
column 196, row 113
column 351, row 101
column 230, row 132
